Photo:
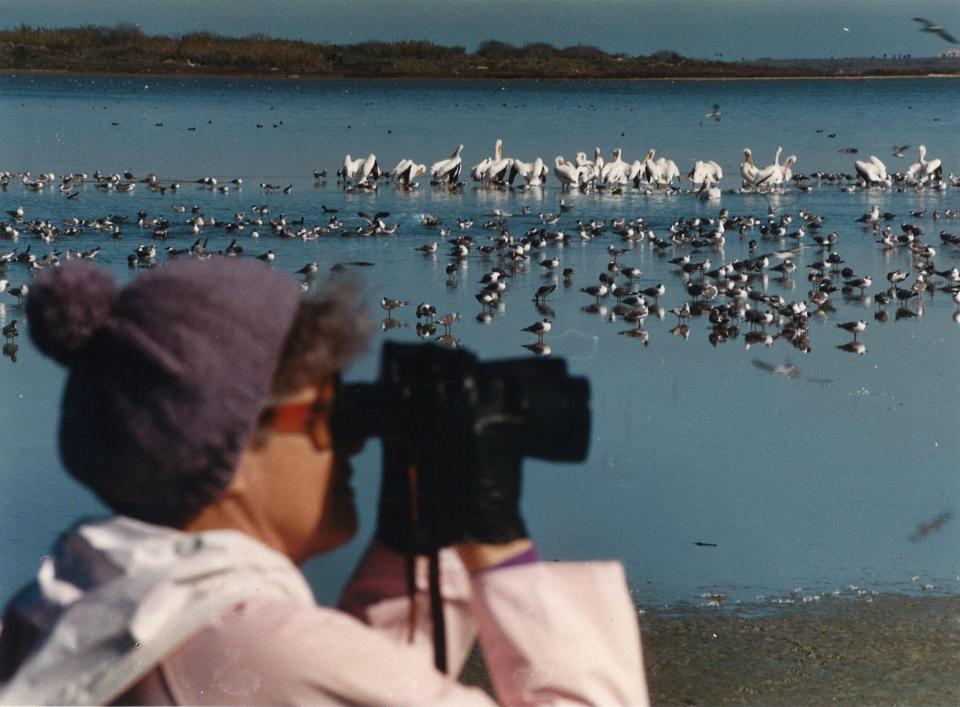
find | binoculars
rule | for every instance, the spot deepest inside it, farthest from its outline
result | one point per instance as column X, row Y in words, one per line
column 454, row 433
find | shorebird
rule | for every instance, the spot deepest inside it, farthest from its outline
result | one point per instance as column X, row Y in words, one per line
column 539, row 328
column 391, row 304
column 596, row 291
column 448, row 320
column 19, row 292
column 426, row 310
column 10, row 331
column 934, row 28
column 310, row 269
column 853, row 327
column 543, row 291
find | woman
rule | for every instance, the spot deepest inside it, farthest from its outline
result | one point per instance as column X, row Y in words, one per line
column 198, row 408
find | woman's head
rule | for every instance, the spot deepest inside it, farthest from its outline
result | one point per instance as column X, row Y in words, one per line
column 169, row 375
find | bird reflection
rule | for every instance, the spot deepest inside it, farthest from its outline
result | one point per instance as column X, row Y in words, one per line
column 599, row 309
column 856, row 347
column 638, row 333
column 539, row 349
column 786, row 369
column 425, row 331
column 449, row 340
column 10, row 351
column 546, row 311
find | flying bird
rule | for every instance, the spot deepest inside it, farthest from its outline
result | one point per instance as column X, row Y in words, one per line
column 936, row 29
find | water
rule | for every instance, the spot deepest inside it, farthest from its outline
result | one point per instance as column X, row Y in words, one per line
column 797, row 486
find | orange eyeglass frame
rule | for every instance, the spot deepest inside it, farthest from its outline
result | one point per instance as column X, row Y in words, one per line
column 304, row 418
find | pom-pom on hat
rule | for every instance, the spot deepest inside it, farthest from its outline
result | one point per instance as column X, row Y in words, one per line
column 167, row 375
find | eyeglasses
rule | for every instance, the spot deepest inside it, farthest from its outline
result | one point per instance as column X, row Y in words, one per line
column 303, row 418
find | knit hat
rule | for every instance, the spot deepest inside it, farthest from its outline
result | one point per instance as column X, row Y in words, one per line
column 167, row 375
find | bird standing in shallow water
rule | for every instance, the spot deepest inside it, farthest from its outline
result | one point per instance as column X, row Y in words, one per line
column 853, row 327
column 448, row 320
column 391, row 304
column 10, row 331
column 539, row 328
column 542, row 292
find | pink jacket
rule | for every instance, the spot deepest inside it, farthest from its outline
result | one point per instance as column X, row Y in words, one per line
column 550, row 634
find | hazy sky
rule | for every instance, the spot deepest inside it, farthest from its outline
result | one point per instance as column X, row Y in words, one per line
column 700, row 28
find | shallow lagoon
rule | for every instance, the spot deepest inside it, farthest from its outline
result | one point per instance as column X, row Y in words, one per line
column 800, row 485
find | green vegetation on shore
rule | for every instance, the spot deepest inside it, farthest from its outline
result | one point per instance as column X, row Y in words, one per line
column 125, row 49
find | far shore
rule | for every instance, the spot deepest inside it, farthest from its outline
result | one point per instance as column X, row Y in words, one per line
column 125, row 50
column 12, row 72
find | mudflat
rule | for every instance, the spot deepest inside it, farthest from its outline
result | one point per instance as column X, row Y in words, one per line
column 887, row 650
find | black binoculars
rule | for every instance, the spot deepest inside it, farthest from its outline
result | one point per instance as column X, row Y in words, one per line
column 454, row 433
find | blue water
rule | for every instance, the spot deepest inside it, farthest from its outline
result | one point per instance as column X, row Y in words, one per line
column 813, row 483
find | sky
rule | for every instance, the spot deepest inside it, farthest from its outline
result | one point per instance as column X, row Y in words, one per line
column 723, row 29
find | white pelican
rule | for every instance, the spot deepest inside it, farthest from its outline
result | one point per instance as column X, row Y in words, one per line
column 649, row 171
column 598, row 162
column 873, row 172
column 406, row 171
column 449, row 169
column 588, row 169
column 537, row 173
column 614, row 173
column 748, row 170
column 567, row 174
column 768, row 172
column 705, row 174
column 669, row 171
column 350, row 168
column 922, row 171
column 369, row 169
column 479, row 170
column 776, row 175
column 499, row 167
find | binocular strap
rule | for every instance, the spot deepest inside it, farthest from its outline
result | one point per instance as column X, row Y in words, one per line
column 433, row 583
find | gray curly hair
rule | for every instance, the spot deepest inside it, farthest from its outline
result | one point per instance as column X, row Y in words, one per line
column 329, row 330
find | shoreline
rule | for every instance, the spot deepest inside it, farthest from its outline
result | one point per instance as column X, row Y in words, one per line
column 893, row 649
column 12, row 73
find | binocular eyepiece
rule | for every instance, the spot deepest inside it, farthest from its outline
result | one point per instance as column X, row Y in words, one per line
column 430, row 398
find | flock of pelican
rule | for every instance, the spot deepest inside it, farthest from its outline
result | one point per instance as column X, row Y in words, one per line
column 651, row 173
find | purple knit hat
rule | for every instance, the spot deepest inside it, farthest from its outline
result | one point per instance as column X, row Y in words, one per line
column 167, row 376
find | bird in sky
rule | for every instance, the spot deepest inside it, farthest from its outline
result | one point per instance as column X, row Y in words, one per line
column 934, row 28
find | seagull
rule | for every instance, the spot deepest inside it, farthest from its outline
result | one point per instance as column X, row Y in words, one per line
column 448, row 320
column 715, row 113
column 392, row 304
column 19, row 292
column 936, row 29
column 853, row 327
column 539, row 328
column 898, row 150
column 541, row 294
column 10, row 331
column 426, row 310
